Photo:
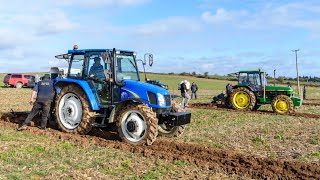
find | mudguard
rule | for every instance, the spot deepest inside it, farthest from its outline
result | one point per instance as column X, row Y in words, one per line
column 296, row 101
column 84, row 86
column 124, row 103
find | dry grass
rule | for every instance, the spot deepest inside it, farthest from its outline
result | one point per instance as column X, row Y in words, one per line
column 24, row 156
column 272, row 136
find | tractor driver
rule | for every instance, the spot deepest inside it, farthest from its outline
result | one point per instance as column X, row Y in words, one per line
column 97, row 70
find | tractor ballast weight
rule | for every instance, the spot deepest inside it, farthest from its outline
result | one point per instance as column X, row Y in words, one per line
column 107, row 90
column 252, row 91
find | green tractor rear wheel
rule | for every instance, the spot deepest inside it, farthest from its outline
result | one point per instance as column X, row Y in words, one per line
column 282, row 104
column 242, row 99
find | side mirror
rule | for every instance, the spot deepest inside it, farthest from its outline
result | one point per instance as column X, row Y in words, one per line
column 65, row 56
column 150, row 58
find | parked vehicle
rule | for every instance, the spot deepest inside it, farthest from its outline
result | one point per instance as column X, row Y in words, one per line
column 17, row 80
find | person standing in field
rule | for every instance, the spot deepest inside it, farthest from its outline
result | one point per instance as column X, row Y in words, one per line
column 304, row 92
column 44, row 93
column 184, row 95
column 194, row 89
column 229, row 89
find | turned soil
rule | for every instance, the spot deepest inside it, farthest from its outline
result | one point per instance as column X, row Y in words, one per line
column 221, row 107
column 200, row 155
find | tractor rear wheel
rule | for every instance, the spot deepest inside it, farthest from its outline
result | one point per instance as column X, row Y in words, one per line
column 172, row 131
column 282, row 104
column 242, row 99
column 72, row 110
column 137, row 124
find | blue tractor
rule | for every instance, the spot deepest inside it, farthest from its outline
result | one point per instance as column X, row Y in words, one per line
column 107, row 90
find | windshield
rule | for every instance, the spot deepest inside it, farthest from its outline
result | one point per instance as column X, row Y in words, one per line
column 249, row 79
column 126, row 68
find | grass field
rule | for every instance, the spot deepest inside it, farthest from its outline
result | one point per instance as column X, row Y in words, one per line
column 23, row 155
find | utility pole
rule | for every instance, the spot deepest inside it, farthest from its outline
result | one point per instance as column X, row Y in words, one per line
column 296, row 51
column 274, row 77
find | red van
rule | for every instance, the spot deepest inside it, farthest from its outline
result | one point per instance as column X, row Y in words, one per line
column 17, row 80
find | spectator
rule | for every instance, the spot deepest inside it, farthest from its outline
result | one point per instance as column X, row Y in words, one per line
column 304, row 92
column 184, row 95
column 229, row 89
column 194, row 89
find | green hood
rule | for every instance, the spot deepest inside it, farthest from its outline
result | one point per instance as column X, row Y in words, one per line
column 278, row 88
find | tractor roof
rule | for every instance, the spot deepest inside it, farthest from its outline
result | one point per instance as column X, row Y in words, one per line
column 251, row 71
column 94, row 50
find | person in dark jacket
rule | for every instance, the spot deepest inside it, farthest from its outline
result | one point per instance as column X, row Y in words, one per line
column 229, row 89
column 97, row 70
column 194, row 89
column 184, row 95
column 304, row 92
column 44, row 93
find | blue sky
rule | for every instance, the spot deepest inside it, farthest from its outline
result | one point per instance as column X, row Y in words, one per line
column 215, row 36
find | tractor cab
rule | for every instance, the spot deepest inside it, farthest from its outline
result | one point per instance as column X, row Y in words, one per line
column 253, row 79
column 96, row 67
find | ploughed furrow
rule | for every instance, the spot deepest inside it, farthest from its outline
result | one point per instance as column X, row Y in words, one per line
column 310, row 104
column 312, row 99
column 205, row 157
column 222, row 108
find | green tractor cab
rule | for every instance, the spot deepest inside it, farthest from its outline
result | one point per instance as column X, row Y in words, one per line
column 252, row 91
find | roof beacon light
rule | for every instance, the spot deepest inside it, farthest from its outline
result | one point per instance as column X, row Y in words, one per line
column 75, row 47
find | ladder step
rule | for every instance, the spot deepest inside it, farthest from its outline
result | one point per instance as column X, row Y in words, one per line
column 98, row 125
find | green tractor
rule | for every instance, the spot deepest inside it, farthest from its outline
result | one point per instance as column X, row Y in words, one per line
column 252, row 91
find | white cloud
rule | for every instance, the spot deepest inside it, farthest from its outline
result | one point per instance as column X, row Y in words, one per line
column 222, row 16
column 104, row 3
column 304, row 15
column 169, row 25
column 51, row 22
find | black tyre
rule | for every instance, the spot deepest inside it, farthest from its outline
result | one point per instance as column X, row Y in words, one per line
column 18, row 85
column 256, row 107
column 72, row 111
column 282, row 104
column 137, row 124
column 172, row 131
column 242, row 99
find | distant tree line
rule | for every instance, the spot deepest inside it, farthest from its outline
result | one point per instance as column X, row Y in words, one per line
column 282, row 79
column 232, row 77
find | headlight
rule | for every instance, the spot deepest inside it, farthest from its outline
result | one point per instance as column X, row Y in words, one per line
column 161, row 99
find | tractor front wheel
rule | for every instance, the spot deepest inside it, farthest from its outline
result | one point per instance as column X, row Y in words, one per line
column 242, row 99
column 172, row 131
column 282, row 104
column 137, row 124
column 72, row 110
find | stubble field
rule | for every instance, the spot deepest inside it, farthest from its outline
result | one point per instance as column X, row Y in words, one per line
column 219, row 143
